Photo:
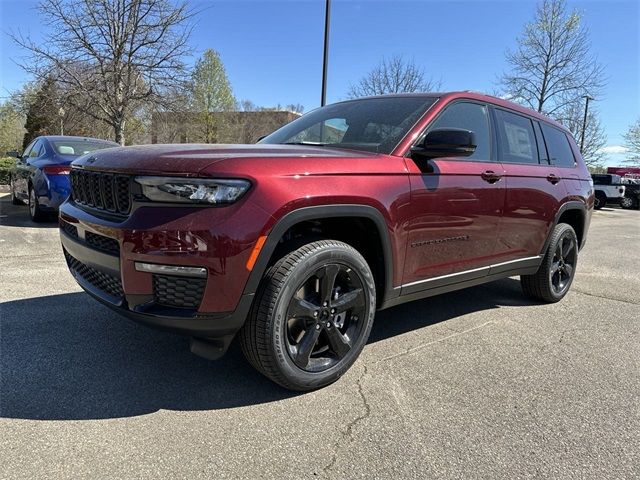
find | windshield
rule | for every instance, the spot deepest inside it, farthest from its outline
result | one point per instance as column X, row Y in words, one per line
column 79, row 147
column 372, row 124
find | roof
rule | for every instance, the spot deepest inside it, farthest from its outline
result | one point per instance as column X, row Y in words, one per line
column 468, row 94
column 72, row 137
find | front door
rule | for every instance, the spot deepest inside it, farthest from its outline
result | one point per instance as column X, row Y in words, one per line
column 456, row 206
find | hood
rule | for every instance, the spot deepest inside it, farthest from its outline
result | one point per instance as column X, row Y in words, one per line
column 191, row 159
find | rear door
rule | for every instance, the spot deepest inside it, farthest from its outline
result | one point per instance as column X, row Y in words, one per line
column 534, row 186
column 456, row 204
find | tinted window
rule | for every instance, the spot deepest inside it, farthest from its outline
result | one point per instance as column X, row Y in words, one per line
column 542, row 148
column 517, row 138
column 469, row 116
column 374, row 124
column 558, row 146
column 601, row 179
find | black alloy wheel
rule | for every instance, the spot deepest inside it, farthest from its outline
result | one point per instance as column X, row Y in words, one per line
column 324, row 316
column 563, row 263
column 312, row 315
column 558, row 268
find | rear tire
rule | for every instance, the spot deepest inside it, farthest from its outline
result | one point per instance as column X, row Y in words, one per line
column 627, row 203
column 35, row 212
column 554, row 277
column 311, row 317
column 600, row 200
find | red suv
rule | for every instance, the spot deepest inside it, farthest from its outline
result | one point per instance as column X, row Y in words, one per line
column 295, row 242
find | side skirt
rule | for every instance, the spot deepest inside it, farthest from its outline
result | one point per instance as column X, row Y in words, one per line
column 457, row 281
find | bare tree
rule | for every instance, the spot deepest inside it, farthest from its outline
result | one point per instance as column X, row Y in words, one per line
column 595, row 139
column 632, row 142
column 552, row 67
column 394, row 75
column 113, row 54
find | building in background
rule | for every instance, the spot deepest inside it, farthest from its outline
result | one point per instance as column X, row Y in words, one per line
column 230, row 127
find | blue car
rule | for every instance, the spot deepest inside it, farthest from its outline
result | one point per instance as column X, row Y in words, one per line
column 40, row 177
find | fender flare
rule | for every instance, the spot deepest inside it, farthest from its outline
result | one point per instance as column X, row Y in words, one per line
column 571, row 205
column 320, row 212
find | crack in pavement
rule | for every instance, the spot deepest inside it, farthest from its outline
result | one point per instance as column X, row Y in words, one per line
column 347, row 434
column 603, row 297
column 421, row 346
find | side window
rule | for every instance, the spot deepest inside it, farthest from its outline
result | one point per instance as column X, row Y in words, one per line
column 27, row 151
column 36, row 149
column 601, row 179
column 517, row 138
column 560, row 152
column 470, row 116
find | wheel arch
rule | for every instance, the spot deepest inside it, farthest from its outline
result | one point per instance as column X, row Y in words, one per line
column 573, row 213
column 324, row 213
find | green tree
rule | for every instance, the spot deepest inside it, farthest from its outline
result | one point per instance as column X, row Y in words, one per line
column 43, row 111
column 210, row 93
column 11, row 128
column 632, row 142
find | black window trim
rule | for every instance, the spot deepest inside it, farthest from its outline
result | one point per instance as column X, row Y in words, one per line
column 493, row 158
column 533, row 127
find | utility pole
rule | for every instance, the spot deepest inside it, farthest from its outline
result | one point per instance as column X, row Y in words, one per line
column 584, row 120
column 327, row 16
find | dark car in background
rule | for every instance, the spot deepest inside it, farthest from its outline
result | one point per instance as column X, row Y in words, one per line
column 40, row 176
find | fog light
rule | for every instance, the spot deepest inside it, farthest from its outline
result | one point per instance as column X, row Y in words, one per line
column 171, row 269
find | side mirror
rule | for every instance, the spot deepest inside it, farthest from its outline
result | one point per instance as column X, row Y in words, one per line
column 13, row 153
column 446, row 142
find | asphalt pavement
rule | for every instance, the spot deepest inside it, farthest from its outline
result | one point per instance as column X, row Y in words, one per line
column 480, row 383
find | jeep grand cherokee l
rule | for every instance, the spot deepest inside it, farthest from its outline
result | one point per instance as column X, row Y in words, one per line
column 294, row 243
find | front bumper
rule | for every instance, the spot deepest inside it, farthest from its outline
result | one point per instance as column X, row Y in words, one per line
column 102, row 254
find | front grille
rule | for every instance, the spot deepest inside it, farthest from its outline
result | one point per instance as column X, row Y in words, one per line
column 102, row 243
column 100, row 280
column 104, row 191
column 69, row 229
column 180, row 292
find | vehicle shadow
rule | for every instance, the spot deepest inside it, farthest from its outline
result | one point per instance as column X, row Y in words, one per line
column 18, row 216
column 66, row 357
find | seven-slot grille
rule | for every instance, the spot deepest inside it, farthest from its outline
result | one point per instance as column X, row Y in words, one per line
column 104, row 191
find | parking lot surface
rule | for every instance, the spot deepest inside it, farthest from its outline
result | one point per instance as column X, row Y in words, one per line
column 480, row 383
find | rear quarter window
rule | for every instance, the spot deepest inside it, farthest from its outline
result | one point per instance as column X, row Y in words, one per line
column 560, row 153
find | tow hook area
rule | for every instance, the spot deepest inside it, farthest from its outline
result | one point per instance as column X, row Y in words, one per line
column 210, row 348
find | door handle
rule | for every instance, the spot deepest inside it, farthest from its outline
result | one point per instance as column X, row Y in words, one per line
column 490, row 176
column 553, row 178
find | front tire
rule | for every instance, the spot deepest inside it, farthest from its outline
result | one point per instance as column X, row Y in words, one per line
column 554, row 277
column 600, row 200
column 35, row 212
column 312, row 316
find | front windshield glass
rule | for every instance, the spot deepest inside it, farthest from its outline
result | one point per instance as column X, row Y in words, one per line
column 372, row 124
column 79, row 147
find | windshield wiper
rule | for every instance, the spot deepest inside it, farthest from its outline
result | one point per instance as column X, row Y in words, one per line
column 313, row 144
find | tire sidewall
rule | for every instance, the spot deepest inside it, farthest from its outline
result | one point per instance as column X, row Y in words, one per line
column 559, row 233
column 277, row 323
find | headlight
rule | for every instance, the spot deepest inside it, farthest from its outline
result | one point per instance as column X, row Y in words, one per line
column 193, row 190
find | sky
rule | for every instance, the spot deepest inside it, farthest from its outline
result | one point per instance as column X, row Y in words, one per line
column 272, row 50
